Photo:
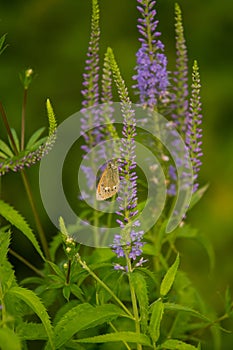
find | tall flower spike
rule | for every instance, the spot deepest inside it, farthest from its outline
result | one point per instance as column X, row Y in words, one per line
column 91, row 76
column 152, row 75
column 194, row 130
column 129, row 243
column 91, row 117
column 180, row 76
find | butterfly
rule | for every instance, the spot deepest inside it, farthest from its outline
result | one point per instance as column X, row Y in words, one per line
column 109, row 182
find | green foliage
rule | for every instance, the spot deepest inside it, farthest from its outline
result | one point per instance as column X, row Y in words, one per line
column 32, row 300
column 119, row 336
column 82, row 317
column 16, row 219
column 155, row 320
column 9, row 340
column 169, row 278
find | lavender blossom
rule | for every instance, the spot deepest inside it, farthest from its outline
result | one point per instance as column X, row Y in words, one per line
column 194, row 130
column 152, row 75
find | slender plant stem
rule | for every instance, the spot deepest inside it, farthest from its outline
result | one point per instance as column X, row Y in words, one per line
column 8, row 129
column 26, row 262
column 134, row 300
column 23, row 118
column 36, row 216
column 68, row 272
column 84, row 265
column 115, row 330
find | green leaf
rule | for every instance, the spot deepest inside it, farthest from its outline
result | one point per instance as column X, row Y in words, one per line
column 34, row 302
column 174, row 344
column 197, row 196
column 156, row 318
column 6, row 149
column 9, row 340
column 57, row 270
column 35, row 136
column 129, row 337
column 4, row 245
column 76, row 291
column 169, row 277
column 66, row 292
column 16, row 139
column 82, row 317
column 182, row 308
column 2, row 40
column 31, row 331
column 11, row 215
column 140, row 287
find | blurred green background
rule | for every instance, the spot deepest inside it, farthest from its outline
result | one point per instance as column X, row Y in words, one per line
column 51, row 36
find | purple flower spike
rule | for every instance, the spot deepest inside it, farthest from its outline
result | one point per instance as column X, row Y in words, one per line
column 152, row 75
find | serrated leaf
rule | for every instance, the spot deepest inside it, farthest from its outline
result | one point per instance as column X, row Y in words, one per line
column 9, row 340
column 169, row 277
column 35, row 136
column 141, row 291
column 31, row 331
column 82, row 317
column 129, row 337
column 6, row 149
column 4, row 245
column 197, row 196
column 34, row 302
column 155, row 320
column 174, row 344
column 16, row 219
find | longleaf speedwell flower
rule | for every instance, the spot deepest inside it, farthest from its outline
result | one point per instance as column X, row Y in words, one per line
column 152, row 75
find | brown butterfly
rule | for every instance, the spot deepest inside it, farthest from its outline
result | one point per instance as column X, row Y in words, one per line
column 109, row 182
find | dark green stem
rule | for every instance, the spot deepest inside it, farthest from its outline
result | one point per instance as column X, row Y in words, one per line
column 26, row 262
column 68, row 272
column 85, row 267
column 23, row 118
column 8, row 129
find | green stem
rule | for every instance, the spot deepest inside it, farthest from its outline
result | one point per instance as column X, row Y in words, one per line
column 26, row 262
column 134, row 300
column 8, row 129
column 68, row 272
column 36, row 216
column 84, row 265
column 23, row 118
